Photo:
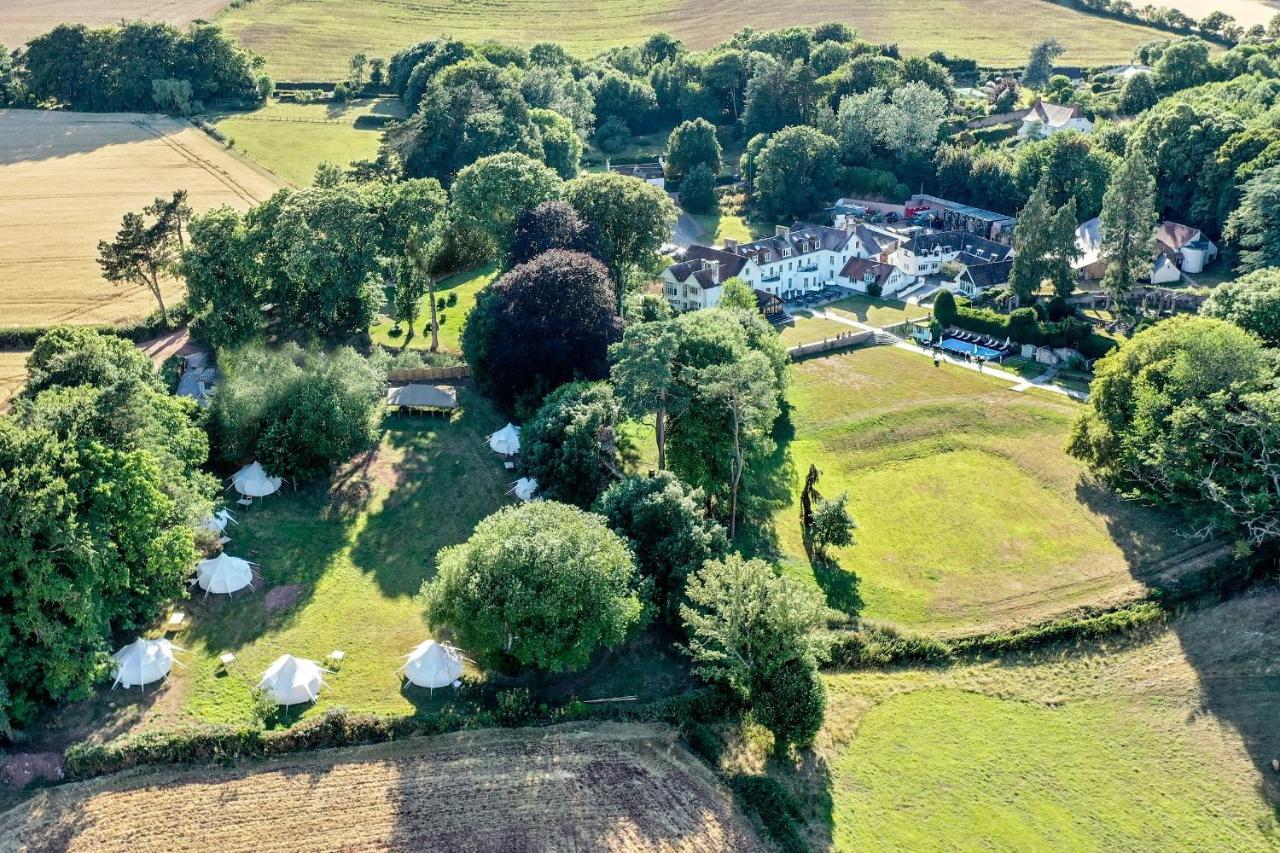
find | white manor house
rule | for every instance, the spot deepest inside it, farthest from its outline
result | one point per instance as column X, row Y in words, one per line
column 806, row 258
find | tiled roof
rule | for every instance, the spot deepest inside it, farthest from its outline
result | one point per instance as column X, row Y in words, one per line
column 990, row 275
column 1175, row 235
column 957, row 241
column 858, row 268
column 1052, row 114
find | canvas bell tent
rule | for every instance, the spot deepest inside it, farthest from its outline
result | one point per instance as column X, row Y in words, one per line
column 224, row 574
column 252, row 481
column 433, row 665
column 217, row 523
column 506, row 441
column 142, row 662
column 524, row 488
column 291, row 681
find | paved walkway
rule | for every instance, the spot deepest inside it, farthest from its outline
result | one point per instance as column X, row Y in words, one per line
column 1044, row 380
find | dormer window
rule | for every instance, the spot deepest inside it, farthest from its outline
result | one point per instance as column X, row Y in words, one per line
column 786, row 251
column 768, row 256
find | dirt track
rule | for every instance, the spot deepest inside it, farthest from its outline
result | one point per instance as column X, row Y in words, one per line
column 581, row 787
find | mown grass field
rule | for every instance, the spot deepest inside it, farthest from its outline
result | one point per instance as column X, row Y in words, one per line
column 970, row 513
column 465, row 286
column 67, row 178
column 582, row 787
column 312, row 39
column 875, row 311
column 1155, row 743
column 809, row 328
column 291, row 140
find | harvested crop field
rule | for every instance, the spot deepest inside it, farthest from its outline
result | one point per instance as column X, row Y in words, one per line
column 582, row 787
column 13, row 372
column 312, row 39
column 67, row 178
column 23, row 20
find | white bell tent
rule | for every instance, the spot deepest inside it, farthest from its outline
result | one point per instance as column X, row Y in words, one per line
column 224, row 574
column 524, row 488
column 252, row 481
column 291, row 680
column 217, row 523
column 506, row 441
column 433, row 665
column 143, row 661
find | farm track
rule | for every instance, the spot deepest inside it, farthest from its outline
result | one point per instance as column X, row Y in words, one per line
column 582, row 787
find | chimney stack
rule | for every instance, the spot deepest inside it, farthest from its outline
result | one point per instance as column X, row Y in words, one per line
column 781, row 231
column 730, row 244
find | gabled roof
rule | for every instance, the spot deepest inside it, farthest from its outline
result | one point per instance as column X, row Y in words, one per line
column 989, row 275
column 801, row 238
column 1052, row 114
column 708, row 265
column 1175, row 235
column 857, row 269
column 875, row 241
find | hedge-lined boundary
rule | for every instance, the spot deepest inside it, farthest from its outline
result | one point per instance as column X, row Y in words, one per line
column 25, row 337
column 873, row 646
column 338, row 727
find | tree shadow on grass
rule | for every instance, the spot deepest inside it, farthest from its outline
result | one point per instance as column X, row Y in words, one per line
column 839, row 585
column 768, row 487
column 294, row 538
column 1229, row 622
column 437, row 480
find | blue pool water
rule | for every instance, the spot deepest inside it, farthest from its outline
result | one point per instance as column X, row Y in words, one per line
column 957, row 345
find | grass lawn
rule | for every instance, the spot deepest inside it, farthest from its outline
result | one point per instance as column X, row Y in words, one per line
column 808, row 329
column 970, row 513
column 312, row 39
column 293, row 139
column 877, row 312
column 718, row 227
column 1158, row 743
column 466, row 285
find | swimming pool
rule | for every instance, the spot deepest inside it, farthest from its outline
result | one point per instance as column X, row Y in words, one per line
column 957, row 345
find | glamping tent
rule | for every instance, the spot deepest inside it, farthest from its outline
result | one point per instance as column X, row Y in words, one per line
column 524, row 488
column 217, row 523
column 506, row 440
column 433, row 665
column 143, row 661
column 292, row 680
column 224, row 574
column 252, row 481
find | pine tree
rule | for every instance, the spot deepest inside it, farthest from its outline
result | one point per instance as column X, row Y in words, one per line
column 1030, row 243
column 1128, row 225
column 1063, row 251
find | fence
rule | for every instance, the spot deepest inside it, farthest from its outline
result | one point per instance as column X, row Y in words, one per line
column 843, row 340
column 429, row 374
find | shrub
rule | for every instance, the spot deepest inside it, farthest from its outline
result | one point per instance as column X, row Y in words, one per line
column 773, row 808
column 790, row 701
column 698, row 190
column 871, row 647
column 704, row 742
column 514, row 707
column 944, row 308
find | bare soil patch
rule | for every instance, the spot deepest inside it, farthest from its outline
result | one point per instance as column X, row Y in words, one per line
column 282, row 597
column 66, row 179
column 581, row 787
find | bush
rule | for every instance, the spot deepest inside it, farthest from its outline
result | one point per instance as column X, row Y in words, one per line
column 776, row 811
column 704, row 742
column 871, row 647
column 514, row 707
column 790, row 702
column 944, row 308
column 698, row 190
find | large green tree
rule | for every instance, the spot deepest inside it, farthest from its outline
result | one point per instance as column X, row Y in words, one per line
column 1254, row 227
column 666, row 525
column 1040, row 63
column 643, row 372
column 1128, row 225
column 795, row 173
column 744, row 618
column 692, row 143
column 1044, row 245
column 1183, row 414
column 222, row 283
column 544, row 323
column 544, row 585
column 629, row 219
column 493, row 191
column 570, row 446
column 1252, row 302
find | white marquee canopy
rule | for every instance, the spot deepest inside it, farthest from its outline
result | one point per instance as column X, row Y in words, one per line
column 524, row 488
column 433, row 665
column 291, row 680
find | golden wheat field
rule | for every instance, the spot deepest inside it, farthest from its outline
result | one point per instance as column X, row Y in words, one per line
column 607, row 786
column 65, row 181
column 21, row 20
column 13, row 372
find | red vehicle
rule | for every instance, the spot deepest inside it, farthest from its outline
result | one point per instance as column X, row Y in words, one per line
column 912, row 211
